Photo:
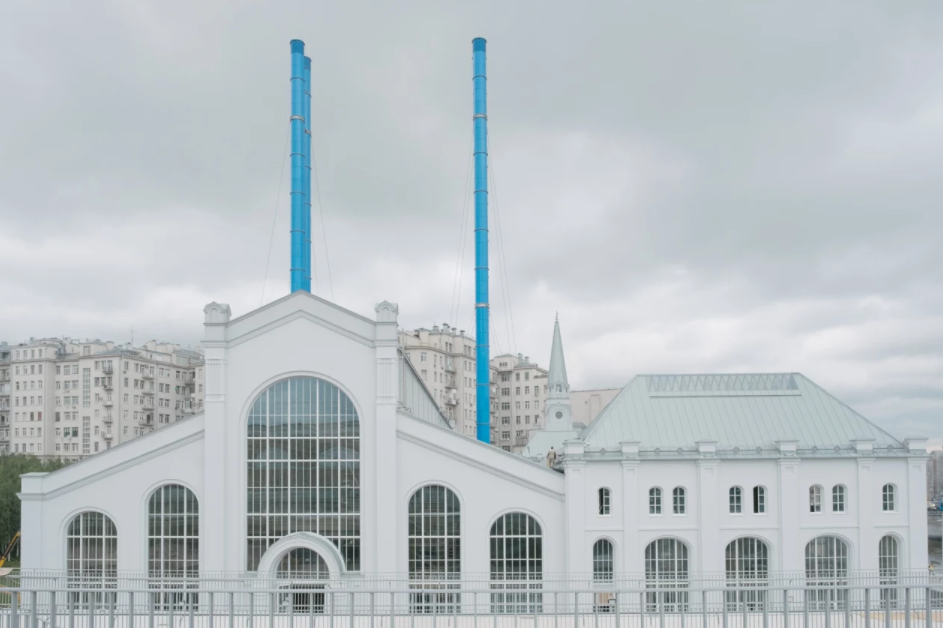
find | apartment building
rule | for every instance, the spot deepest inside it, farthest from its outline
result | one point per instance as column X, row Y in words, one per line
column 444, row 357
column 4, row 397
column 521, row 397
column 72, row 399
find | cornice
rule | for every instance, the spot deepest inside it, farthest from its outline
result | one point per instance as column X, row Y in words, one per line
column 118, row 468
column 451, row 453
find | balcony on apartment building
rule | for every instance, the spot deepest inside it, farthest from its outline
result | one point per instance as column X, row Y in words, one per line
column 107, row 368
column 107, row 419
column 147, row 375
column 108, row 402
column 107, row 383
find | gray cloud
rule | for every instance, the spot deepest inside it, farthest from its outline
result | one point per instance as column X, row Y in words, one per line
column 702, row 188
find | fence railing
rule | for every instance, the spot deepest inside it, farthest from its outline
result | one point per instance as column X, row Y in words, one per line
column 225, row 581
column 527, row 604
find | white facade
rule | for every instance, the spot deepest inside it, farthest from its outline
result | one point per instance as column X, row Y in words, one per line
column 405, row 444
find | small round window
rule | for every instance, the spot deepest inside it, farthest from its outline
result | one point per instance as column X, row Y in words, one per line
column 559, row 414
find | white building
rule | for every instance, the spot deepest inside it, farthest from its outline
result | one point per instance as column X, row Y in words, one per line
column 319, row 446
column 4, row 397
column 71, row 399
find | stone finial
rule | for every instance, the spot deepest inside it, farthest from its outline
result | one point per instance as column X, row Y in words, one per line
column 706, row 447
column 386, row 312
column 574, row 448
column 216, row 314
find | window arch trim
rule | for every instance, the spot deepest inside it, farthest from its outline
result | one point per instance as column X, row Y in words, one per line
column 656, row 501
column 895, row 497
column 67, row 521
column 615, row 552
column 735, row 500
column 604, row 501
column 147, row 514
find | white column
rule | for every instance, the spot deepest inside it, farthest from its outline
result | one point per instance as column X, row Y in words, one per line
column 791, row 553
column 214, row 524
column 577, row 558
column 864, row 508
column 383, row 527
column 631, row 552
column 917, row 502
column 709, row 501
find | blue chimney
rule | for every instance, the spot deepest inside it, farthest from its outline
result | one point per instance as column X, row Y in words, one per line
column 306, row 183
column 482, row 361
column 297, row 165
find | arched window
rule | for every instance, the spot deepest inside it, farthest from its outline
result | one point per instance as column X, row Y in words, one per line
column 517, row 556
column 826, row 564
column 91, row 554
column 603, row 566
column 304, row 467
column 735, row 500
column 666, row 568
column 815, row 498
column 888, row 566
column 435, row 552
column 889, row 498
column 173, row 542
column 296, row 570
column 747, row 562
column 654, row 501
column 604, row 501
column 759, row 500
column 838, row 498
column 677, row 500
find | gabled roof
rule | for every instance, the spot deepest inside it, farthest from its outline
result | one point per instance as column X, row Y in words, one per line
column 744, row 413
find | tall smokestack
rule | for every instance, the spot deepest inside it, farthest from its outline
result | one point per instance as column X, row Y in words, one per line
column 306, row 183
column 297, row 165
column 480, row 120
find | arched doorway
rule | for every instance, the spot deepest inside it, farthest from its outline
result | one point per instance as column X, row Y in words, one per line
column 303, row 574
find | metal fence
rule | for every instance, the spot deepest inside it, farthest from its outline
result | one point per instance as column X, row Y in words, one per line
column 522, row 604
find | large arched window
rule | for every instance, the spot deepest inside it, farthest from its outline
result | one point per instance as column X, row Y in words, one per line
column 91, row 554
column 435, row 553
column 173, row 533
column 173, row 543
column 516, row 563
column 603, row 561
column 888, row 568
column 826, row 564
column 747, row 562
column 302, row 572
column 666, row 568
column 303, row 467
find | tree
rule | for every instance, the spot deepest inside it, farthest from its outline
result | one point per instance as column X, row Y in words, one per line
column 12, row 466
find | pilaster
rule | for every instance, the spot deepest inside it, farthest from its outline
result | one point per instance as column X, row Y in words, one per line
column 791, row 555
column 631, row 553
column 916, row 502
column 574, row 469
column 216, row 482
column 709, row 498
column 383, row 446
column 864, row 505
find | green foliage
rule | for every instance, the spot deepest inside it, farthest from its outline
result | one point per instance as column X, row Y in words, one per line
column 12, row 466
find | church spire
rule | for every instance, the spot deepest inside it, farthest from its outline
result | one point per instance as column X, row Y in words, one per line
column 556, row 377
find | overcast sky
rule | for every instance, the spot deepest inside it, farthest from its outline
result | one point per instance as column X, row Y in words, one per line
column 695, row 187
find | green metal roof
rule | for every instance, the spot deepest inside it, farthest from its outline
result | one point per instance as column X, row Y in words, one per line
column 744, row 413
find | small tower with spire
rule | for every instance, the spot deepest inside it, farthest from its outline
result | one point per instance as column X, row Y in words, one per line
column 559, row 413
